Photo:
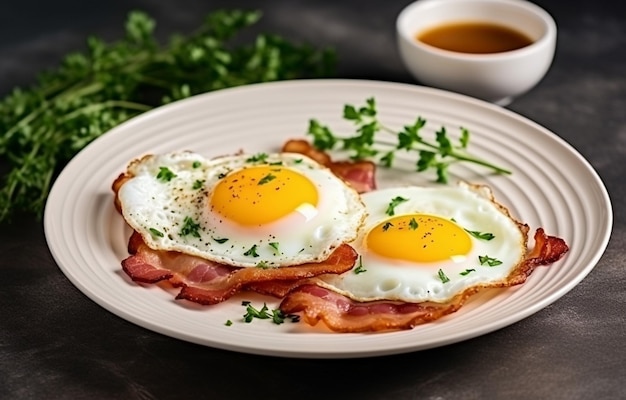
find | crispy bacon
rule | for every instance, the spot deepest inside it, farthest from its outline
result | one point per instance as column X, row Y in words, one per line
column 278, row 289
column 302, row 146
column 547, row 250
column 207, row 282
column 359, row 174
column 140, row 270
column 342, row 314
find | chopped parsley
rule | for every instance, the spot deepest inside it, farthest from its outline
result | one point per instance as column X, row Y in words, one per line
column 228, row 322
column 266, row 179
column 165, row 174
column 393, row 204
column 251, row 252
column 190, row 228
column 413, row 224
column 274, row 245
column 220, row 240
column 196, row 164
column 258, row 158
column 481, row 235
column 444, row 278
column 359, row 269
column 156, row 232
column 467, row 271
column 492, row 262
column 198, row 184
column 387, row 226
column 277, row 316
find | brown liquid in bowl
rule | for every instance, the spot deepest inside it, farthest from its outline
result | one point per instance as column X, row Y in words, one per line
column 474, row 37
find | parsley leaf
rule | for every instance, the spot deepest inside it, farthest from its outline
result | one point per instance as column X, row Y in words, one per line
column 323, row 139
column 393, row 204
column 190, row 228
column 251, row 252
column 359, row 269
column 481, row 235
column 492, row 262
column 198, row 184
column 266, row 179
column 156, row 232
column 257, row 158
column 165, row 174
column 274, row 245
column 444, row 278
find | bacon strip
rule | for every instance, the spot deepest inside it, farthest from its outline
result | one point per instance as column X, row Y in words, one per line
column 547, row 250
column 361, row 175
column 278, row 289
column 342, row 314
column 206, row 282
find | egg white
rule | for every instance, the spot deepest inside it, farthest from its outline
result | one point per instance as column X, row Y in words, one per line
column 158, row 210
column 472, row 208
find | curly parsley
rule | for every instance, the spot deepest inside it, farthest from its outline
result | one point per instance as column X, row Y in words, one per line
column 43, row 126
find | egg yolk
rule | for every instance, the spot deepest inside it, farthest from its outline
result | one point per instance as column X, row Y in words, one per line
column 419, row 238
column 263, row 194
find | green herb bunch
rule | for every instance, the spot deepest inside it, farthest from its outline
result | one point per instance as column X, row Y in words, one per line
column 44, row 126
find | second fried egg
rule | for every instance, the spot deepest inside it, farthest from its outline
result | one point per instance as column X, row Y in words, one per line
column 430, row 243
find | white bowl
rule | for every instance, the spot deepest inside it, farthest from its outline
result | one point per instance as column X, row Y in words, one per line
column 495, row 77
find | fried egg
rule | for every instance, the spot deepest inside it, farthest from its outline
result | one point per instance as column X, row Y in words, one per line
column 430, row 243
column 242, row 210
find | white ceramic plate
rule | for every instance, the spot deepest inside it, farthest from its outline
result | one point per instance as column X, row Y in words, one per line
column 552, row 186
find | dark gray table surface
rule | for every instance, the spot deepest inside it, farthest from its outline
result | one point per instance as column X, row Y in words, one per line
column 56, row 343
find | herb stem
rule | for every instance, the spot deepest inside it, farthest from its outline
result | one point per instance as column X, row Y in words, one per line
column 97, row 107
column 74, row 91
column 459, row 156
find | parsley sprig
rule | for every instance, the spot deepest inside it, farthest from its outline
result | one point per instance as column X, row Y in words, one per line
column 481, row 235
column 277, row 316
column 190, row 227
column 438, row 154
column 43, row 126
column 490, row 261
